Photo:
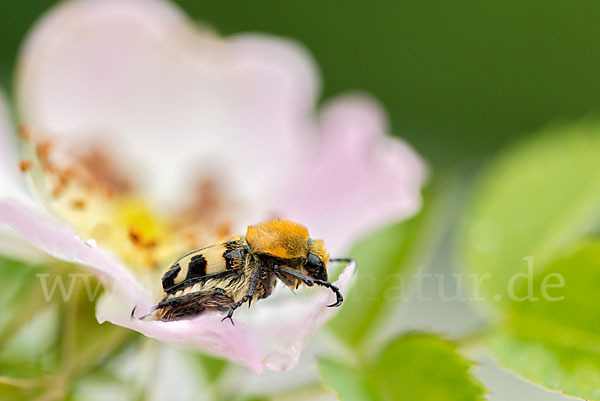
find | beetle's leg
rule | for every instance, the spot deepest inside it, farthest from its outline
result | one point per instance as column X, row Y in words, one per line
column 176, row 301
column 305, row 278
column 252, row 285
column 338, row 295
column 311, row 281
column 246, row 298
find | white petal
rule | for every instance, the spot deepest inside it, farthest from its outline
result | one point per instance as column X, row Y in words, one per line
column 13, row 186
column 180, row 103
column 11, row 181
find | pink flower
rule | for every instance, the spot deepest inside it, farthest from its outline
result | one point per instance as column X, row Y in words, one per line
column 129, row 108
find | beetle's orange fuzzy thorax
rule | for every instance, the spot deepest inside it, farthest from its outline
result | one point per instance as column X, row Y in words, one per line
column 280, row 238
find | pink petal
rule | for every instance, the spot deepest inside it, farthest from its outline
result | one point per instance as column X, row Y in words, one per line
column 60, row 241
column 139, row 74
column 272, row 334
column 354, row 177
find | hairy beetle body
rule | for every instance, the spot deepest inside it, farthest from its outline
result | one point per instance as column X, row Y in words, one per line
column 223, row 276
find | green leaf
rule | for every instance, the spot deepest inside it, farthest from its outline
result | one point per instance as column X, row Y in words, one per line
column 554, row 338
column 17, row 288
column 86, row 344
column 12, row 393
column 385, row 262
column 32, row 351
column 28, row 328
column 348, row 381
column 52, row 337
column 414, row 367
column 533, row 201
column 213, row 367
column 419, row 367
column 100, row 385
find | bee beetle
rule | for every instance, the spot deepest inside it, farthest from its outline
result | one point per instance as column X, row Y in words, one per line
column 224, row 276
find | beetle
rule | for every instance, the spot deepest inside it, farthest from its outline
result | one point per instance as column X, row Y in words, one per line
column 223, row 276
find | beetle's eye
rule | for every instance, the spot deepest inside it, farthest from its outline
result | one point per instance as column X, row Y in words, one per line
column 313, row 260
column 315, row 267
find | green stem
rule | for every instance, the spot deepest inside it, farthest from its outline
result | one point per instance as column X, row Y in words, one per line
column 473, row 339
column 27, row 382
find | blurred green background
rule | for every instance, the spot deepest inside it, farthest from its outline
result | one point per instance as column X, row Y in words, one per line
column 459, row 79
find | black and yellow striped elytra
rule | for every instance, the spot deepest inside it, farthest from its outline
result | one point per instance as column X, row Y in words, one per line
column 223, row 276
column 202, row 263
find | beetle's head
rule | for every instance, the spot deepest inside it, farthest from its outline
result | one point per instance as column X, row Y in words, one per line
column 316, row 260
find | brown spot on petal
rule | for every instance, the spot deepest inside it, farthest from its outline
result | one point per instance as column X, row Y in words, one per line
column 100, row 172
column 147, row 248
column 204, row 219
column 43, row 150
column 138, row 240
column 223, row 229
column 207, row 202
column 57, row 191
column 190, row 238
column 25, row 165
column 78, row 204
column 205, row 206
column 24, row 132
column 135, row 236
column 89, row 168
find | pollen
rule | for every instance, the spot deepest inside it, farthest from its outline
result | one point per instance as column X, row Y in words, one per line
column 78, row 204
column 43, row 152
column 25, row 165
column 24, row 132
column 223, row 229
column 87, row 188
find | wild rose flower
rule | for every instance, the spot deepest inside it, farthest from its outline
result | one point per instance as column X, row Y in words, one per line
column 145, row 136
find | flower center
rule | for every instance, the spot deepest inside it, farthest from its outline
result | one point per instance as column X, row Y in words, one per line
column 89, row 191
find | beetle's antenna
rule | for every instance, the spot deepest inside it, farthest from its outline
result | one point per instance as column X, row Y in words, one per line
column 342, row 260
